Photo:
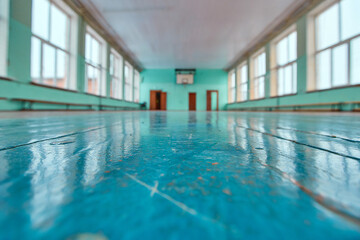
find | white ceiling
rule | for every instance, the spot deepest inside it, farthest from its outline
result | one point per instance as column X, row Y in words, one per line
column 191, row 33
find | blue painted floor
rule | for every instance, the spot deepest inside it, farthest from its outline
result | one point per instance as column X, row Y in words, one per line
column 179, row 175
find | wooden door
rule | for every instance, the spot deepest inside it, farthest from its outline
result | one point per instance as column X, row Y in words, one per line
column 209, row 99
column 192, row 101
column 153, row 100
column 163, row 101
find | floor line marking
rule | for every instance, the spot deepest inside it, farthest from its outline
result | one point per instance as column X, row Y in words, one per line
column 182, row 206
column 167, row 197
column 316, row 197
column 90, row 129
column 319, row 134
column 154, row 190
column 299, row 143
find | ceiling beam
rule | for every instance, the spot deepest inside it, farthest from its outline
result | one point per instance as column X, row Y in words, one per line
column 96, row 20
column 290, row 19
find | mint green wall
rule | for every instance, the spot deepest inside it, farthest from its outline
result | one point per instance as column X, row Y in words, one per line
column 178, row 95
column 19, row 62
column 347, row 94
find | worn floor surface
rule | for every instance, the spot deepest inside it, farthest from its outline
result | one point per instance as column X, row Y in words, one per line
column 179, row 175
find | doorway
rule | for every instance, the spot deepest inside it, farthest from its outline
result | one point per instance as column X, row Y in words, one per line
column 212, row 100
column 192, row 101
column 158, row 100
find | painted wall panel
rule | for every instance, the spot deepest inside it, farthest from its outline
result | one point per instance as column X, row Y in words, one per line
column 19, row 63
column 177, row 95
column 347, row 94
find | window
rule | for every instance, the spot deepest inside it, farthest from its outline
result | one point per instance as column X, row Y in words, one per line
column 242, row 82
column 232, row 86
column 337, row 44
column 258, row 75
column 116, row 71
column 52, row 62
column 137, row 87
column 4, row 27
column 95, row 63
column 128, row 73
column 285, row 67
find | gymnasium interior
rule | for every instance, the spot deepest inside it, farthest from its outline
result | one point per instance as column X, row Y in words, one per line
column 188, row 119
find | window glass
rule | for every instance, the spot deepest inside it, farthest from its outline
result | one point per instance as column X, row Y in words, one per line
column 328, row 27
column 94, row 45
column 323, row 74
column 137, row 87
column 292, row 46
column 61, row 69
column 88, row 46
column 59, row 27
column 287, row 80
column 48, row 64
column 4, row 29
column 333, row 49
column 233, row 80
column 244, row 74
column 339, row 72
column 232, row 86
column 350, row 18
column 116, row 89
column 286, row 55
column 128, row 82
column 95, row 51
column 242, row 88
column 259, row 76
column 50, row 51
column 40, row 18
column 282, row 53
column 355, row 61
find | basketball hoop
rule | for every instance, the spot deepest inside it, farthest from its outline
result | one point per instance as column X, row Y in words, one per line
column 185, row 81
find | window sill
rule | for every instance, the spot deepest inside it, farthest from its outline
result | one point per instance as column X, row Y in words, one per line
column 250, row 100
column 258, row 99
column 334, row 88
column 52, row 87
column 117, row 99
column 95, row 95
column 286, row 95
column 6, row 78
column 238, row 102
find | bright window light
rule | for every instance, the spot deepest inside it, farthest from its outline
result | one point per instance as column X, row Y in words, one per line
column 337, row 45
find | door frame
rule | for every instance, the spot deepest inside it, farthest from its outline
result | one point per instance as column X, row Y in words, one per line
column 163, row 101
column 192, row 93
column 152, row 106
column 208, row 100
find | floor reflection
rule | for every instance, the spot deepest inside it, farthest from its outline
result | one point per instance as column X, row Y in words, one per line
column 233, row 173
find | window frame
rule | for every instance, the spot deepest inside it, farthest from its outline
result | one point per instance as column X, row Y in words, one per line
column 4, row 33
column 313, row 51
column 275, row 67
column 70, row 49
column 119, row 92
column 136, row 87
column 254, row 78
column 232, row 89
column 129, row 82
column 101, row 67
column 240, row 83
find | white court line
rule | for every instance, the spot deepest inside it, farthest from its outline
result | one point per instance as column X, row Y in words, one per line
column 154, row 190
column 181, row 205
column 167, row 197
